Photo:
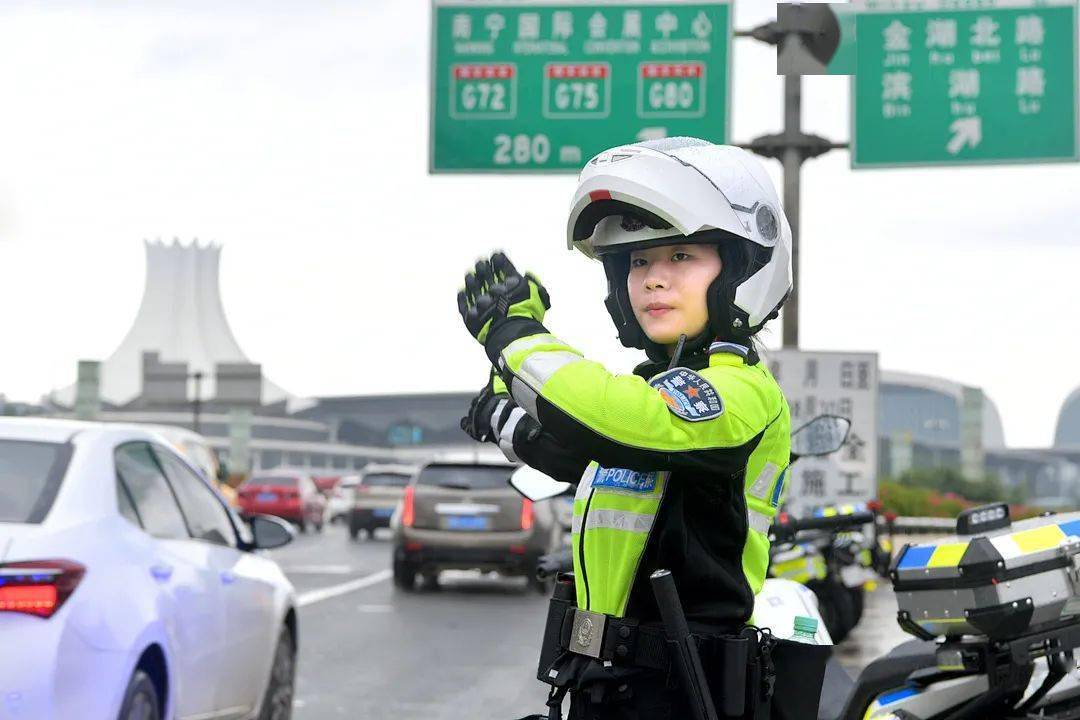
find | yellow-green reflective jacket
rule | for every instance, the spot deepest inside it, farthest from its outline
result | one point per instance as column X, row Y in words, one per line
column 692, row 489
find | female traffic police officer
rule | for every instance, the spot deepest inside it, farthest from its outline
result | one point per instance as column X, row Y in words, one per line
column 678, row 467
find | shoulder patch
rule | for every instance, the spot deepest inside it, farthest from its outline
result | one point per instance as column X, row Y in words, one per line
column 688, row 395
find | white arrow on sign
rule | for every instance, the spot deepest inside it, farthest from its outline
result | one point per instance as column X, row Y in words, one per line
column 966, row 131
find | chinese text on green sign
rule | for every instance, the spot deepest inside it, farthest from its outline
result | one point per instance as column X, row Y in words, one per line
column 528, row 86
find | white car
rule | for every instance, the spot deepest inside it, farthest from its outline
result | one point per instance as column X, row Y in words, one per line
column 127, row 589
column 191, row 445
column 342, row 497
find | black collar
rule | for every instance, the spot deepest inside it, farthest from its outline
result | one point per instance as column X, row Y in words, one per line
column 699, row 360
column 694, row 361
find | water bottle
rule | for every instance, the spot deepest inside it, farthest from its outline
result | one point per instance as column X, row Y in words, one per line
column 805, row 630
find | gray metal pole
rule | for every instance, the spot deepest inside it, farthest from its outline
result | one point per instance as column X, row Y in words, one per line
column 792, row 161
column 197, row 406
column 792, row 148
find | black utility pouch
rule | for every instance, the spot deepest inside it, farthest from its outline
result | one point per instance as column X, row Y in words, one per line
column 800, row 673
column 756, row 676
column 551, row 646
column 733, row 670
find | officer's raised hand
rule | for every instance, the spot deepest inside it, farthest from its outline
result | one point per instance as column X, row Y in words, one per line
column 494, row 289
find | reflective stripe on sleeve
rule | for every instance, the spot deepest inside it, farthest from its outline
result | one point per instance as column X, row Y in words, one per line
column 497, row 414
column 615, row 520
column 758, row 521
column 524, row 396
column 528, row 343
column 539, row 367
column 761, row 486
column 506, row 434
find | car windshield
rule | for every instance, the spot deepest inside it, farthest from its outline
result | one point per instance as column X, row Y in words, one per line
column 30, row 474
column 386, row 480
column 466, row 477
column 285, row 480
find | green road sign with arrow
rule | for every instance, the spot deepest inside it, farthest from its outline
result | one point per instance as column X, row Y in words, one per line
column 944, row 82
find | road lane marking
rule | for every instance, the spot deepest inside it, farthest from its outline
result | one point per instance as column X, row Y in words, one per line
column 313, row 596
column 318, row 569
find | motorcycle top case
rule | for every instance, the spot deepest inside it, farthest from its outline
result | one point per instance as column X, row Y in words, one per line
column 999, row 583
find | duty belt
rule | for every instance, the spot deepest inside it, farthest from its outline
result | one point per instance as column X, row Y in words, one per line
column 619, row 640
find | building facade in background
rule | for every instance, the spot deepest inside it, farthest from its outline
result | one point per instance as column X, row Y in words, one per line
column 1067, row 433
column 928, row 422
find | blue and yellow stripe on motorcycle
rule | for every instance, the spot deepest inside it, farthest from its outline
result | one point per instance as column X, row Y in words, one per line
column 1036, row 539
column 929, row 701
column 1012, row 545
column 917, row 557
column 834, row 510
column 892, row 697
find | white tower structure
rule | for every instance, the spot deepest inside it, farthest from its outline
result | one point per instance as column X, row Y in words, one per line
column 182, row 319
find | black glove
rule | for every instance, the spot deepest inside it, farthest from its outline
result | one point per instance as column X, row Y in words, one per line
column 477, row 424
column 495, row 289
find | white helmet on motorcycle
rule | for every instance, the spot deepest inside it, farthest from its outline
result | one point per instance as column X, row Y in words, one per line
column 679, row 190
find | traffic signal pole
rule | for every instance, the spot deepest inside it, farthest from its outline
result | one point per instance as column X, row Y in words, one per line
column 792, row 170
column 792, row 148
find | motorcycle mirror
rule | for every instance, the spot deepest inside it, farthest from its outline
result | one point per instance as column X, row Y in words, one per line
column 823, row 435
column 535, row 485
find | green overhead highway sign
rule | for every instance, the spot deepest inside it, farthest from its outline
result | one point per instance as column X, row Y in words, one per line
column 946, row 82
column 538, row 86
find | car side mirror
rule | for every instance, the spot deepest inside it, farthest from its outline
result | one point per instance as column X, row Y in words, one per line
column 270, row 532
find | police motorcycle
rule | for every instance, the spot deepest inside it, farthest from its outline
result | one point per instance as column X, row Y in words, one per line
column 784, row 611
column 996, row 613
column 825, row 562
column 837, row 562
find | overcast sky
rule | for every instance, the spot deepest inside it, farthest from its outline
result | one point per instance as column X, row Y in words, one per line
column 295, row 134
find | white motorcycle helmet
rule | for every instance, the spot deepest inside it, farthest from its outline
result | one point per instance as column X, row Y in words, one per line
column 679, row 190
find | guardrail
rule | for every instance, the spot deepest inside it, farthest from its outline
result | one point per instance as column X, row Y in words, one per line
column 920, row 526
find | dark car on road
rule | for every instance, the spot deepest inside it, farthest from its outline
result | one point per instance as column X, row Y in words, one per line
column 376, row 497
column 466, row 516
column 288, row 495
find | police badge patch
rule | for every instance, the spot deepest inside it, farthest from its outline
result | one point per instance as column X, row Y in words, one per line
column 688, row 395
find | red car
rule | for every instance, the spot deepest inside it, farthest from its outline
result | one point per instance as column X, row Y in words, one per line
column 291, row 496
column 326, row 483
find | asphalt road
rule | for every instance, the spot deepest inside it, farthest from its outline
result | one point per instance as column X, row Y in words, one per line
column 466, row 650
